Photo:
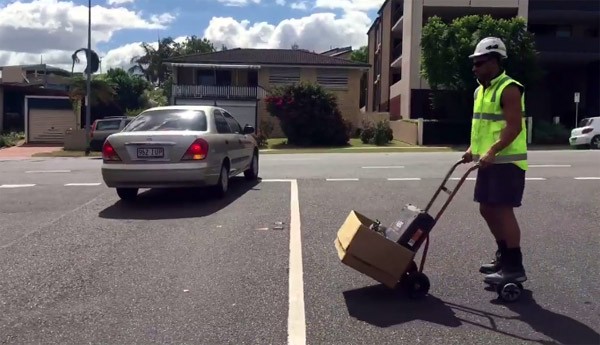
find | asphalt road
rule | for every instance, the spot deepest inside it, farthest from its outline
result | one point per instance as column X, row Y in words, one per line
column 78, row 266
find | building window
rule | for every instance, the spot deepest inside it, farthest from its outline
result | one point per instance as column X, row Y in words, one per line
column 563, row 31
column 284, row 76
column 332, row 78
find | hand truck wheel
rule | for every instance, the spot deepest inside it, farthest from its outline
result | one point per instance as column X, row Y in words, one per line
column 416, row 285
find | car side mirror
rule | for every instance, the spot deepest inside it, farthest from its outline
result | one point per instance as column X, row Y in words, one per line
column 248, row 129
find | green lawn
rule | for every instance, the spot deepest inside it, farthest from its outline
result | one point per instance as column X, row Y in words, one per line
column 279, row 145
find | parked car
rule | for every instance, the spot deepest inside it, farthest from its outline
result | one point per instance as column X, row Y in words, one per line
column 179, row 146
column 104, row 127
column 587, row 134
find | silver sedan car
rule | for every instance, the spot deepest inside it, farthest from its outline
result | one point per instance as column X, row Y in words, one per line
column 179, row 146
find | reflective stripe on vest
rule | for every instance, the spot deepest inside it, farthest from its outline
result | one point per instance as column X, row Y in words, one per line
column 505, row 158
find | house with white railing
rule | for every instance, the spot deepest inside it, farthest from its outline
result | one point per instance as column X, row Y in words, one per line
column 239, row 80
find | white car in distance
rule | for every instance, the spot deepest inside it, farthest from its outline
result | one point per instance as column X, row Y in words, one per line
column 587, row 134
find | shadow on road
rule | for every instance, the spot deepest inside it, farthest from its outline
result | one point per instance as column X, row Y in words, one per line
column 178, row 203
column 383, row 307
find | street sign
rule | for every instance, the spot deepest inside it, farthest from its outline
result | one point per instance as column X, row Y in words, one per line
column 576, row 108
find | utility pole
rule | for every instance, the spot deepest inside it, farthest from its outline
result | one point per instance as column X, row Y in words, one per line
column 88, row 107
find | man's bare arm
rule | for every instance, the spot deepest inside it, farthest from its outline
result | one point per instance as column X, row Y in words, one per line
column 511, row 100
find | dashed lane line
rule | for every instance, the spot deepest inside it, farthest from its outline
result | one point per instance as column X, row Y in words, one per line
column 342, row 179
column 587, row 178
column 404, row 179
column 16, row 185
column 82, row 184
column 46, row 171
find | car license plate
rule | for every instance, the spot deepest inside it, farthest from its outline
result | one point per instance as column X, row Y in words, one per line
column 154, row 152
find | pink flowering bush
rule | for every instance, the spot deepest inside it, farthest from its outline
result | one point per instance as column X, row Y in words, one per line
column 308, row 115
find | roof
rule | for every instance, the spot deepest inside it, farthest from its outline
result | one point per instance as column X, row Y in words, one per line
column 337, row 51
column 40, row 67
column 297, row 57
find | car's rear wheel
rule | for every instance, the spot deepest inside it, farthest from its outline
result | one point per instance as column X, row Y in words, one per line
column 127, row 194
column 252, row 172
column 222, row 186
column 595, row 143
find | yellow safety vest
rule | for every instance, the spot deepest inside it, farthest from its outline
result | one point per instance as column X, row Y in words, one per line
column 488, row 122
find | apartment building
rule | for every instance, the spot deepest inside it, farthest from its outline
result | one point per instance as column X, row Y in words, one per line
column 567, row 38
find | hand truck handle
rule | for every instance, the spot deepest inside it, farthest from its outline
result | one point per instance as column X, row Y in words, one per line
column 451, row 193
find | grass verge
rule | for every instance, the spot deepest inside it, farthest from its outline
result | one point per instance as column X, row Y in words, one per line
column 280, row 146
column 65, row 153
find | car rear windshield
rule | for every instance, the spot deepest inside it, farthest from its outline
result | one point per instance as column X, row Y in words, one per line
column 168, row 120
column 107, row 125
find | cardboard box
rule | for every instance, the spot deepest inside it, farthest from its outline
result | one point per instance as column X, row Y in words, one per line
column 370, row 252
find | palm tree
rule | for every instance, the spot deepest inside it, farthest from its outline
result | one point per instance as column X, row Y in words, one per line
column 102, row 90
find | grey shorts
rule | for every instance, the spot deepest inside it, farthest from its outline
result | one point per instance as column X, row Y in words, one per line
column 500, row 184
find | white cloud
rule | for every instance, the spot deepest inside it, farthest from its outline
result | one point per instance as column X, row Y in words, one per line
column 301, row 5
column 55, row 29
column 318, row 32
column 119, row 2
column 238, row 3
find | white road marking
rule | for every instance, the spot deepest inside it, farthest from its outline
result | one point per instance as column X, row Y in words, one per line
column 341, row 179
column 458, row 178
column 46, row 171
column 82, row 184
column 296, row 313
column 16, row 185
column 384, row 167
column 587, row 178
column 535, row 179
column 404, row 179
column 550, row 166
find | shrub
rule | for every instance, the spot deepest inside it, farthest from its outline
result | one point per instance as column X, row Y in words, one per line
column 545, row 132
column 380, row 134
column 263, row 133
column 10, row 138
column 308, row 115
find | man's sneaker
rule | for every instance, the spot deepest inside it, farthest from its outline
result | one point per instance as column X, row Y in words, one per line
column 493, row 266
column 518, row 276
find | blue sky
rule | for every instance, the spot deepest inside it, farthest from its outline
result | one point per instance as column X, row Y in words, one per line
column 55, row 28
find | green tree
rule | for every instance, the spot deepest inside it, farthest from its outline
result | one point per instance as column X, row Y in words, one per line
column 129, row 88
column 102, row 89
column 360, row 55
column 151, row 63
column 445, row 48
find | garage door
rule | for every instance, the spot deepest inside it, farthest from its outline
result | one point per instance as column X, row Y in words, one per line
column 243, row 111
column 49, row 125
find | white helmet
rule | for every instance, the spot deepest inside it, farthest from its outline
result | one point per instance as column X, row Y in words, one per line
column 489, row 45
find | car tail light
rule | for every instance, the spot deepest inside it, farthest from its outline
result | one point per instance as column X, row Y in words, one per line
column 197, row 151
column 109, row 153
column 93, row 129
column 586, row 130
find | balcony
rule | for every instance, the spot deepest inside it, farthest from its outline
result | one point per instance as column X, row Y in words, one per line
column 398, row 26
column 397, row 56
column 218, row 92
column 397, row 17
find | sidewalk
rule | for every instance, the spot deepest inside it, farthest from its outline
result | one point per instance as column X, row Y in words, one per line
column 26, row 151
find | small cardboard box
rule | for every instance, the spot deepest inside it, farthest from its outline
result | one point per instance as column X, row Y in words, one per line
column 370, row 252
